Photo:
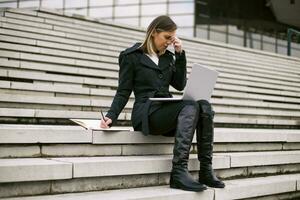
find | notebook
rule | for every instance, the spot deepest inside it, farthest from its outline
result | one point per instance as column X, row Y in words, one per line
column 200, row 85
column 94, row 124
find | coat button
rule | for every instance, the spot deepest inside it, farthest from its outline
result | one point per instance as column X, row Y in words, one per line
column 160, row 76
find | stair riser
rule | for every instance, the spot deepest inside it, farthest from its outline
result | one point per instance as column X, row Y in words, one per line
column 120, row 182
column 61, row 150
column 285, row 196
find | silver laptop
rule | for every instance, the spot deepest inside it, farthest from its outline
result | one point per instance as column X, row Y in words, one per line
column 200, row 85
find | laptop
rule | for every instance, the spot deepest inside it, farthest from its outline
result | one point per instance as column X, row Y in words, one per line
column 200, row 85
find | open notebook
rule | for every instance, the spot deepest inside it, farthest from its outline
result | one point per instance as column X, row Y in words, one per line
column 94, row 124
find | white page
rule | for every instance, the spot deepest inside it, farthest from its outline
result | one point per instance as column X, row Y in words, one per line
column 94, row 124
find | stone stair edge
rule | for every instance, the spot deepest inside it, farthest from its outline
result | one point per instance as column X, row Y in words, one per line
column 187, row 38
column 220, row 107
column 236, row 189
column 70, row 134
column 131, row 165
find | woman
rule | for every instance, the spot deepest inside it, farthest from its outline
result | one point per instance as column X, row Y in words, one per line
column 148, row 69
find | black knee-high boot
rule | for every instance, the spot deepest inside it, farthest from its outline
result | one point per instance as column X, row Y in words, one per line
column 180, row 177
column 205, row 135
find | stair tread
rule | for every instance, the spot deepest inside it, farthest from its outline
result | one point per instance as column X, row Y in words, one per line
column 239, row 188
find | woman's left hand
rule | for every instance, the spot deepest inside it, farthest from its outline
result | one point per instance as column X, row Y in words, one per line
column 177, row 44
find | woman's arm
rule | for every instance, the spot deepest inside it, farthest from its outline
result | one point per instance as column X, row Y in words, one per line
column 178, row 80
column 124, row 87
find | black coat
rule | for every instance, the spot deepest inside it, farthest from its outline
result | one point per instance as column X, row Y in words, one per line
column 138, row 73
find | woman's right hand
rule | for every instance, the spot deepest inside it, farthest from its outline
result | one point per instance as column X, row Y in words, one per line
column 105, row 124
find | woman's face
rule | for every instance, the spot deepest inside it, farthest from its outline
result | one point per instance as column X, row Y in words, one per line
column 163, row 39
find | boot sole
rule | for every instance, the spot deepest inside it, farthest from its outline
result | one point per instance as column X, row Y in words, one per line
column 213, row 186
column 188, row 189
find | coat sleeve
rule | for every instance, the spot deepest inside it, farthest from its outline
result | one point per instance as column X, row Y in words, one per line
column 178, row 80
column 125, row 86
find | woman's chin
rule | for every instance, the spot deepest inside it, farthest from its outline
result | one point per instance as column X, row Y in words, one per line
column 162, row 51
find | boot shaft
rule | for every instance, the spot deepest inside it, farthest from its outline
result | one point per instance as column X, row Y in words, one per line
column 205, row 133
column 186, row 125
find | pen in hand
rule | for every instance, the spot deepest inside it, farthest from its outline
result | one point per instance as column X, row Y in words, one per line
column 103, row 118
column 107, row 120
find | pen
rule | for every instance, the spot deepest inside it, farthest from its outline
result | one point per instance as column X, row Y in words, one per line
column 102, row 116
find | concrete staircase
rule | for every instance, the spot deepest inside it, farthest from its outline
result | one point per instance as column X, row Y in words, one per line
column 54, row 67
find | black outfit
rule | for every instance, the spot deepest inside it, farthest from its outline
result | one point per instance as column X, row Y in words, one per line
column 138, row 73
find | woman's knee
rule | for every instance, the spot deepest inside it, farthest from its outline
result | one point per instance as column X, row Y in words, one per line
column 193, row 106
column 205, row 107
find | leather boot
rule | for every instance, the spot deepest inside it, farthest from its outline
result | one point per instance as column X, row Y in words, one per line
column 205, row 135
column 180, row 177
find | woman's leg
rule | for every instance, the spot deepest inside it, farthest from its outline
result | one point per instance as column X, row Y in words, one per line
column 185, row 124
column 164, row 120
column 205, row 136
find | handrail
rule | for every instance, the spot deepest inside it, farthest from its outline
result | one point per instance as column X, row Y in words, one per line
column 290, row 32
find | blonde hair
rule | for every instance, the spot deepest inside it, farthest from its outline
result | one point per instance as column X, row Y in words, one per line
column 159, row 24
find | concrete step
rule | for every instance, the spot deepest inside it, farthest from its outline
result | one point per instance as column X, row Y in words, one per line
column 220, row 106
column 239, row 159
column 61, row 18
column 235, row 189
column 94, row 51
column 67, row 26
column 73, row 91
column 30, row 134
column 78, row 24
column 75, row 97
column 224, row 77
column 58, row 16
column 30, row 169
column 39, row 75
column 61, row 33
column 260, row 63
column 17, row 31
column 38, row 36
column 227, row 76
column 43, row 150
column 241, row 65
column 58, row 114
column 65, row 89
column 124, row 47
column 64, row 18
column 43, row 76
column 84, row 153
column 248, row 58
column 50, row 51
column 221, row 118
column 53, row 141
column 110, row 53
column 220, row 67
column 89, row 21
column 23, row 169
column 33, row 169
column 53, row 100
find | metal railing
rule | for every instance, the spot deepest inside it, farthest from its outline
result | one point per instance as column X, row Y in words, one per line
column 290, row 33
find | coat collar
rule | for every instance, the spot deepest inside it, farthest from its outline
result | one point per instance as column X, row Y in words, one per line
column 133, row 48
column 144, row 59
column 136, row 47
